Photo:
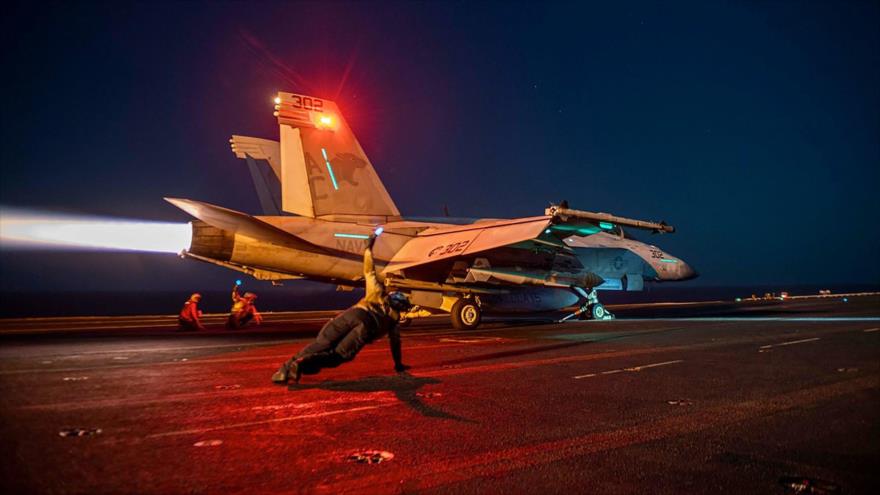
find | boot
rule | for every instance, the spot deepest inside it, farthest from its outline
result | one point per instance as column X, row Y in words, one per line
column 288, row 370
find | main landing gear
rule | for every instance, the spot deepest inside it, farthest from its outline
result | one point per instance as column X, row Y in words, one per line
column 465, row 311
column 592, row 309
column 466, row 314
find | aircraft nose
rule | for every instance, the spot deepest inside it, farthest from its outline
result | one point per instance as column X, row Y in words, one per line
column 687, row 272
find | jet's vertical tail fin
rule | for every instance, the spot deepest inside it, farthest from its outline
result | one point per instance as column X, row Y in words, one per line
column 264, row 162
column 324, row 171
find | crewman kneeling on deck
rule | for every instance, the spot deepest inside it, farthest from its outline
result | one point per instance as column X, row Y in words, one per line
column 343, row 337
column 243, row 310
column 190, row 316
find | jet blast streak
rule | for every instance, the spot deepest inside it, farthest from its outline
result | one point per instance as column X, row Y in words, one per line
column 22, row 229
column 323, row 199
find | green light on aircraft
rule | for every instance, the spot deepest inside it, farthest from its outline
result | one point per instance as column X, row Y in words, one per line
column 352, row 236
column 606, row 225
column 330, row 169
column 577, row 230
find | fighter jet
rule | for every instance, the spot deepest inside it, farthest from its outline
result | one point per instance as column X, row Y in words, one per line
column 322, row 200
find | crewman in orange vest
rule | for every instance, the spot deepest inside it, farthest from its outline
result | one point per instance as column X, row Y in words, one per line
column 190, row 316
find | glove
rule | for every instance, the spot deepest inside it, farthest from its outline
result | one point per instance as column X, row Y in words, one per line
column 400, row 367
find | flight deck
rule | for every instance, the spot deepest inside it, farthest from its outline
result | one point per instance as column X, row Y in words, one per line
column 750, row 397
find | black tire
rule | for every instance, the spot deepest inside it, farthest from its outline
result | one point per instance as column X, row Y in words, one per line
column 466, row 314
column 404, row 322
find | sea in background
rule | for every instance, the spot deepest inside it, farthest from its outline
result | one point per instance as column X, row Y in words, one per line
column 119, row 303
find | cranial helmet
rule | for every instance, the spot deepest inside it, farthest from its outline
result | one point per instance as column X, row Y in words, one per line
column 399, row 301
column 196, row 297
column 250, row 295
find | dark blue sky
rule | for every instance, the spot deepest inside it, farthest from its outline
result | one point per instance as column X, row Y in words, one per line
column 754, row 128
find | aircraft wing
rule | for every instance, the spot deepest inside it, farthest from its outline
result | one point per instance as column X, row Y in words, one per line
column 448, row 242
column 242, row 223
column 591, row 222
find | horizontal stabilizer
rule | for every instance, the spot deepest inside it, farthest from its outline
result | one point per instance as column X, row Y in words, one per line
column 461, row 240
column 242, row 223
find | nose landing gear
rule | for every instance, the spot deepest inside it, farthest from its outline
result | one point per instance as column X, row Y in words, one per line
column 599, row 312
column 592, row 309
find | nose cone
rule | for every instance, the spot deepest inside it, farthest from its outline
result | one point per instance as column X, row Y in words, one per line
column 591, row 280
column 686, row 272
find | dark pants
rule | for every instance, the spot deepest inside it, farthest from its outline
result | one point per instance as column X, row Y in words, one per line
column 186, row 325
column 338, row 342
column 235, row 322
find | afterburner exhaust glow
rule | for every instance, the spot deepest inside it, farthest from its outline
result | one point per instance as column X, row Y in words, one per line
column 21, row 229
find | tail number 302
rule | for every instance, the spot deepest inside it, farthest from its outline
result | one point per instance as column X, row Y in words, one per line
column 455, row 247
column 307, row 103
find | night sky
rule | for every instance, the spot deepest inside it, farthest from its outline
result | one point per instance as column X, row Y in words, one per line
column 753, row 127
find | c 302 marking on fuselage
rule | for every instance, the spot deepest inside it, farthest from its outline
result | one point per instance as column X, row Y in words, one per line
column 455, row 247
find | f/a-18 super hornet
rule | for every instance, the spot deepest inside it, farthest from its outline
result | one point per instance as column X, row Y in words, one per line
column 322, row 200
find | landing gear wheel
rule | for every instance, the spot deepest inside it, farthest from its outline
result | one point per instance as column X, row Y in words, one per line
column 599, row 312
column 404, row 322
column 466, row 314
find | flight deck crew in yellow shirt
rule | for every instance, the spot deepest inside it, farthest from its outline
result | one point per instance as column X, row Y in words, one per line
column 243, row 309
column 343, row 337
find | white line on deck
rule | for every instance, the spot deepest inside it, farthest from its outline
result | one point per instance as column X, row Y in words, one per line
column 269, row 421
column 634, row 368
column 869, row 330
column 790, row 343
column 664, row 363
